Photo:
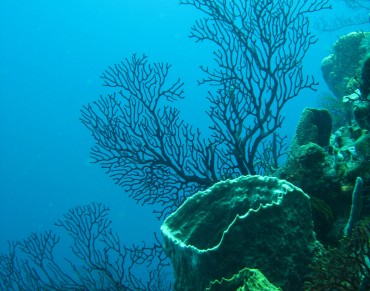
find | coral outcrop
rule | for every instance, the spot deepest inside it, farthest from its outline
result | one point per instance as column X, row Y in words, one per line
column 327, row 171
column 337, row 180
column 314, row 127
column 326, row 164
column 245, row 233
column 342, row 68
column 250, row 222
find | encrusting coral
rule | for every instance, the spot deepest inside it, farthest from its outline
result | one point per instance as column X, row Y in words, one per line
column 342, row 68
column 337, row 175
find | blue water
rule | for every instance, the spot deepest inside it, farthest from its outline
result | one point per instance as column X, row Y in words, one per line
column 51, row 56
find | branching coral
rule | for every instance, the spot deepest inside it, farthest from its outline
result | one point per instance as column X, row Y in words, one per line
column 346, row 267
column 160, row 159
column 99, row 261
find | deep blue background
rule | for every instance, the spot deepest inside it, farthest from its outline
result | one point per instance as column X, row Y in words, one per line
column 51, row 56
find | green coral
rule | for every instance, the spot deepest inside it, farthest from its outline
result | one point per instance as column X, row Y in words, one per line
column 365, row 78
column 343, row 66
column 245, row 280
column 252, row 221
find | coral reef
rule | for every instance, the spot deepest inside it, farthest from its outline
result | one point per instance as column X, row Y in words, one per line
column 365, row 78
column 310, row 166
column 328, row 171
column 336, row 175
column 314, row 127
column 250, row 222
column 361, row 106
column 328, row 174
column 345, row 267
column 356, row 207
column 342, row 68
column 248, row 230
column 246, row 279
column 231, row 227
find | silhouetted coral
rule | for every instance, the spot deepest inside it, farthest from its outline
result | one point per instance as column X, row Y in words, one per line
column 99, row 262
column 158, row 158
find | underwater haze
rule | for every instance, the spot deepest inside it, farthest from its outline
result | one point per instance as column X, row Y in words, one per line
column 52, row 54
